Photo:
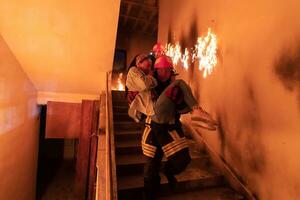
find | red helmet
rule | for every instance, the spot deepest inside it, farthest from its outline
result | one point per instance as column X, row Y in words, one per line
column 158, row 48
column 163, row 62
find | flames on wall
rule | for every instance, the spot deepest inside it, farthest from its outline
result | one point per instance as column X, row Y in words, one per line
column 204, row 53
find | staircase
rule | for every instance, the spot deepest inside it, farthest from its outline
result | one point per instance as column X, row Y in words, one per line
column 201, row 180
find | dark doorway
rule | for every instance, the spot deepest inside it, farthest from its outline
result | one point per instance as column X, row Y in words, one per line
column 56, row 165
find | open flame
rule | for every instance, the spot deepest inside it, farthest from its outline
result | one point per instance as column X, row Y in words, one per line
column 174, row 51
column 205, row 52
column 119, row 85
column 185, row 59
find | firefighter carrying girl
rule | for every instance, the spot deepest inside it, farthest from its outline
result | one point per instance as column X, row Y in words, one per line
column 158, row 99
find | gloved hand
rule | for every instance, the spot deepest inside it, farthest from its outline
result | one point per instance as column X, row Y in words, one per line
column 175, row 94
column 199, row 114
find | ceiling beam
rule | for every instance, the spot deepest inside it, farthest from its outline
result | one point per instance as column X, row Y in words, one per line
column 139, row 4
column 134, row 18
column 153, row 14
column 140, row 11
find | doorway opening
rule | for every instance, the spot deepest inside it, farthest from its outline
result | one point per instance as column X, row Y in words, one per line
column 56, row 165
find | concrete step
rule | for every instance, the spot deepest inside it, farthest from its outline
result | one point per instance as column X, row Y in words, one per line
column 120, row 109
column 118, row 95
column 133, row 146
column 127, row 126
column 196, row 176
column 120, row 102
column 216, row 193
column 128, row 147
column 128, row 135
column 134, row 164
column 129, row 157
column 123, row 117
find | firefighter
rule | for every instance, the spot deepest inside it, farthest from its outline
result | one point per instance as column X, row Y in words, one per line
column 163, row 134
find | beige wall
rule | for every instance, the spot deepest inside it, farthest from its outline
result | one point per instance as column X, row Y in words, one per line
column 65, row 47
column 18, row 129
column 254, row 91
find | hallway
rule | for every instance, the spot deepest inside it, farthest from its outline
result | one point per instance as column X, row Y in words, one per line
column 61, row 186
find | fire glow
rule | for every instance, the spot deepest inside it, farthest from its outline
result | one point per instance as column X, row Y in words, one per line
column 119, row 86
column 204, row 52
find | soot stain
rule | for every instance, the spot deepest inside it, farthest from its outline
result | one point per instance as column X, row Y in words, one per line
column 252, row 151
column 287, row 68
column 188, row 41
column 251, row 125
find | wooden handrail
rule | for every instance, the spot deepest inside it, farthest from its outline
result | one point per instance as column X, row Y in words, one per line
column 107, row 177
column 111, row 184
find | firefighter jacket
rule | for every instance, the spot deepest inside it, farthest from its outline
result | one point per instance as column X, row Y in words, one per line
column 177, row 97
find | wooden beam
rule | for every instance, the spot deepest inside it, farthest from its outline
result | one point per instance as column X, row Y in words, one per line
column 138, row 16
column 135, row 18
column 140, row 4
column 150, row 20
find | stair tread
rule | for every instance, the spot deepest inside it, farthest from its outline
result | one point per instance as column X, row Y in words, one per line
column 121, row 113
column 221, row 193
column 137, row 143
column 129, row 122
column 120, row 104
column 193, row 172
column 128, row 143
column 131, row 159
column 126, row 132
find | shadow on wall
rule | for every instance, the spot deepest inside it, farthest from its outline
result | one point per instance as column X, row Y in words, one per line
column 287, row 69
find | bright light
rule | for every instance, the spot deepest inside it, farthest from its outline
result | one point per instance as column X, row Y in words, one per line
column 185, row 59
column 174, row 51
column 121, row 86
column 206, row 53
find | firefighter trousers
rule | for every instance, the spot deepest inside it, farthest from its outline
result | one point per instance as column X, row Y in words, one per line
column 159, row 140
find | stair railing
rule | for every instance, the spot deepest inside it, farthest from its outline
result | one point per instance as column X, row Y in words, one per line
column 110, row 144
column 106, row 163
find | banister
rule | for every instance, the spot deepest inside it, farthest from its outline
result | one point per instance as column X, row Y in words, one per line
column 106, row 164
